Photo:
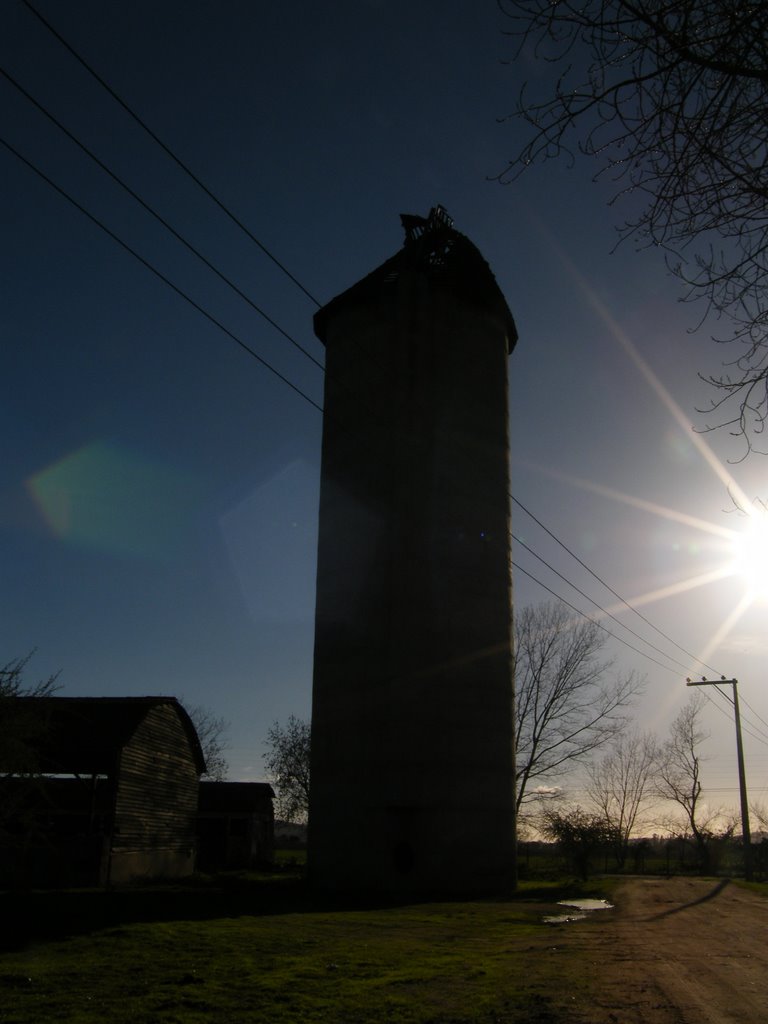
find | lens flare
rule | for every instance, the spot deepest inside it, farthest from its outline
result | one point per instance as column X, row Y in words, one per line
column 750, row 557
column 106, row 497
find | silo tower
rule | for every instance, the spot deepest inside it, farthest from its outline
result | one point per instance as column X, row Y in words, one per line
column 412, row 707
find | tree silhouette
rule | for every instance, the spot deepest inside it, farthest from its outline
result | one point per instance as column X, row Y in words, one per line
column 287, row 765
column 679, row 775
column 566, row 705
column 22, row 731
column 671, row 98
column 621, row 784
column 211, row 731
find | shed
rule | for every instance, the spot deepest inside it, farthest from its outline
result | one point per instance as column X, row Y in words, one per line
column 116, row 793
column 236, row 825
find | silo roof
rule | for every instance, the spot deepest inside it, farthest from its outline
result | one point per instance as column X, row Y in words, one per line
column 432, row 247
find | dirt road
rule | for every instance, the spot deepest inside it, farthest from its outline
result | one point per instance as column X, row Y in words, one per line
column 678, row 951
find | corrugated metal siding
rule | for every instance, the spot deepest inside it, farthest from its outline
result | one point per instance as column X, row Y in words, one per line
column 157, row 789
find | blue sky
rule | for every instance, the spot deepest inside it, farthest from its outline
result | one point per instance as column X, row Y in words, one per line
column 159, row 486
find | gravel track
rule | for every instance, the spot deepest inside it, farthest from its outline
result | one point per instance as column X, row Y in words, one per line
column 677, row 951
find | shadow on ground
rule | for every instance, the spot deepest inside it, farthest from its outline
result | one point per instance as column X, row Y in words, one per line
column 36, row 915
column 718, row 888
column 44, row 915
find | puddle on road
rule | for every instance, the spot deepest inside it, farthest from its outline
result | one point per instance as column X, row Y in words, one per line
column 579, row 910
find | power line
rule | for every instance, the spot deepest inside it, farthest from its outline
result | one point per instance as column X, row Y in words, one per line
column 642, row 639
column 179, row 291
column 759, row 738
column 159, row 274
column 134, row 195
column 595, row 622
column 166, row 149
column 763, row 737
column 610, row 589
column 176, row 234
column 748, row 705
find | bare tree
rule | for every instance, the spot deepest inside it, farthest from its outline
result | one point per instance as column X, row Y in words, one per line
column 621, row 784
column 287, row 765
column 672, row 98
column 760, row 813
column 565, row 709
column 22, row 730
column 679, row 773
column 211, row 731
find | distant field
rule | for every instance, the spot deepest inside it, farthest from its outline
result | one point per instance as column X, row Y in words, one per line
column 254, row 951
column 290, row 856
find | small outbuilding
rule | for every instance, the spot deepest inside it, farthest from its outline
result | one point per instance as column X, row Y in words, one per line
column 114, row 795
column 235, row 825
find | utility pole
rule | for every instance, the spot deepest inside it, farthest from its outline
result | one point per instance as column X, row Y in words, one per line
column 745, row 833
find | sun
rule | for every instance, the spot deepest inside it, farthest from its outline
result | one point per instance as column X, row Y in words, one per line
column 750, row 556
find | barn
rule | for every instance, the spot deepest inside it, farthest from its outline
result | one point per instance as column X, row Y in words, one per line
column 235, row 825
column 114, row 797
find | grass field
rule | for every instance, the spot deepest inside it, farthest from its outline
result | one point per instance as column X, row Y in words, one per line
column 258, row 950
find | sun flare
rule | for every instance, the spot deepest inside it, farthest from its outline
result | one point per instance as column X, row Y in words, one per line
column 750, row 556
column 740, row 554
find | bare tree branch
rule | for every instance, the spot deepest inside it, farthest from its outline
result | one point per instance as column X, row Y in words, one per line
column 21, row 733
column 211, row 731
column 679, row 774
column 565, row 710
column 620, row 786
column 672, row 99
column 20, row 730
column 760, row 814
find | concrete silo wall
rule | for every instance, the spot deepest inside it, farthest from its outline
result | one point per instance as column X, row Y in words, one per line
column 412, row 740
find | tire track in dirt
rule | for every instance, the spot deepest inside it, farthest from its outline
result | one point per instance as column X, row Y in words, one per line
column 677, row 951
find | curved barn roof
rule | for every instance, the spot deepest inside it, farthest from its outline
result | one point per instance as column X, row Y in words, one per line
column 85, row 735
